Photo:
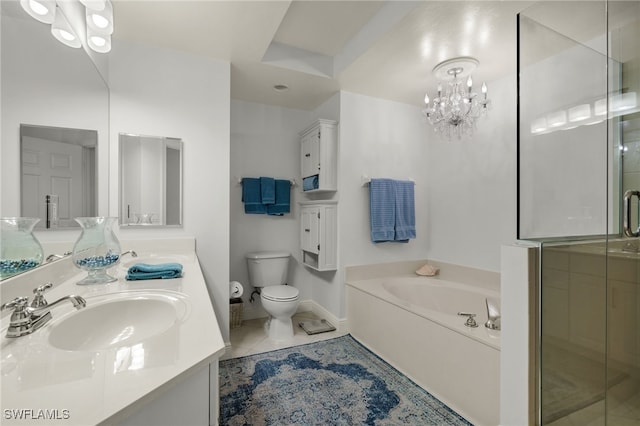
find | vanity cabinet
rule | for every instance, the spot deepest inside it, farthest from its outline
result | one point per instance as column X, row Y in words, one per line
column 319, row 235
column 319, row 156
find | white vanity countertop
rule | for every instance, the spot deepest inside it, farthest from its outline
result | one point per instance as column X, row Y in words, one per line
column 107, row 385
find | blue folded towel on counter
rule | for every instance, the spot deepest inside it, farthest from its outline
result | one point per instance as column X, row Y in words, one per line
column 282, row 204
column 145, row 271
column 252, row 196
column 309, row 183
column 268, row 190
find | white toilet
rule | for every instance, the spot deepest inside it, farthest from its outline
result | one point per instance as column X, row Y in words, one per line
column 268, row 274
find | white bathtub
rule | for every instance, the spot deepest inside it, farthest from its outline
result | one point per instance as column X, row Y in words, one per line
column 412, row 323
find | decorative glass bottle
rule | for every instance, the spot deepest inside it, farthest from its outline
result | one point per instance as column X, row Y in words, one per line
column 97, row 249
column 20, row 250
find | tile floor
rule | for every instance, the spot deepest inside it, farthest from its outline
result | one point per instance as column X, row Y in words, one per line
column 623, row 406
column 251, row 338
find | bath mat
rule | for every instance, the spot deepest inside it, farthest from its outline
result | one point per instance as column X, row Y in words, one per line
column 333, row 382
column 316, row 326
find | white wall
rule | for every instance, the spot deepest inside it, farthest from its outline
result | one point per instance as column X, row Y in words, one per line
column 471, row 186
column 167, row 93
column 265, row 142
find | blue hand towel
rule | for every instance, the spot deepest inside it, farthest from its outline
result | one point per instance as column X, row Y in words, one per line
column 268, row 190
column 382, row 210
column 145, row 271
column 283, row 198
column 251, row 196
column 405, row 210
column 309, row 183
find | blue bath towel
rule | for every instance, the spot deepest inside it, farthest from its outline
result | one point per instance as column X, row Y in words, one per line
column 405, row 224
column 309, row 183
column 382, row 210
column 268, row 190
column 252, row 197
column 283, row 198
column 145, row 271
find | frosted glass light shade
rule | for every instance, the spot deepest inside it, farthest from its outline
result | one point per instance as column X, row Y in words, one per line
column 623, row 102
column 40, row 10
column 600, row 107
column 539, row 125
column 579, row 112
column 63, row 32
column 557, row 118
column 100, row 21
column 97, row 42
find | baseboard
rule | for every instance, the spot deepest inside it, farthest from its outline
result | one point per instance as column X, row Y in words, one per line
column 318, row 310
column 251, row 312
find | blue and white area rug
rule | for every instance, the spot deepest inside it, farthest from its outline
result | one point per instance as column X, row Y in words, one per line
column 333, row 382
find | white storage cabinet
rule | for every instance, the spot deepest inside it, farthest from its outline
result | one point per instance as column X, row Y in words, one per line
column 319, row 154
column 319, row 235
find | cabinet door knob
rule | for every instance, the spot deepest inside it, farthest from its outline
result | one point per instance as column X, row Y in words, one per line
column 307, row 230
column 307, row 155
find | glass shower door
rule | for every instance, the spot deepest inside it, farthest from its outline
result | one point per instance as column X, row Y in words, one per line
column 579, row 150
column 623, row 257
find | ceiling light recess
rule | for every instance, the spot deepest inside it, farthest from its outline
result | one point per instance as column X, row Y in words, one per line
column 280, row 87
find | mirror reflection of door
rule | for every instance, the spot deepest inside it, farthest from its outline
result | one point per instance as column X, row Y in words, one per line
column 57, row 162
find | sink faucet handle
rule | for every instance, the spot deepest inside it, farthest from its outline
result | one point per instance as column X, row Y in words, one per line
column 471, row 322
column 18, row 304
column 39, row 300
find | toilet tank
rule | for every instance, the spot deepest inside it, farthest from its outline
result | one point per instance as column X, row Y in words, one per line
column 267, row 268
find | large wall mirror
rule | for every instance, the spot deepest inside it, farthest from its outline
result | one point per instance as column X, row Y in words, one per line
column 55, row 124
column 55, row 90
column 150, row 180
column 58, row 175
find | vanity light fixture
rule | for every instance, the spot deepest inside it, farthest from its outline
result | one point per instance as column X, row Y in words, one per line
column 98, row 25
column 455, row 109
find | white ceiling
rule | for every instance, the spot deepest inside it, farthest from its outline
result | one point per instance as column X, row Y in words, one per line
column 377, row 48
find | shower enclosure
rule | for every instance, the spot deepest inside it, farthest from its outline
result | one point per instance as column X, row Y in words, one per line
column 578, row 153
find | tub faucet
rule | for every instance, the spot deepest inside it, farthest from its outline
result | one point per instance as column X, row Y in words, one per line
column 26, row 319
column 493, row 313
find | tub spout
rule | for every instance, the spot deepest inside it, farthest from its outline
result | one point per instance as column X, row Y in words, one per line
column 493, row 313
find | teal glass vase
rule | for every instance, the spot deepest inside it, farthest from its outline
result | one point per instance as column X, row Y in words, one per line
column 97, row 249
column 20, row 250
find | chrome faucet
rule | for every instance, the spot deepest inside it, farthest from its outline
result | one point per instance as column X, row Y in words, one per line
column 493, row 313
column 53, row 257
column 26, row 319
column 131, row 252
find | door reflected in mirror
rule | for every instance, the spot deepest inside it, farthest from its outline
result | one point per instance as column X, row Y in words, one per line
column 150, row 180
column 58, row 174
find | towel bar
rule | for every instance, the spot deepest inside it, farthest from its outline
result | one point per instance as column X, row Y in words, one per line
column 365, row 180
column 293, row 181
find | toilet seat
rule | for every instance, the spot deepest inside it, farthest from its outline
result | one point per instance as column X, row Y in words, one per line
column 279, row 293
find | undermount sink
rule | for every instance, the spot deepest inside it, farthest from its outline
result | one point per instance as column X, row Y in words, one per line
column 117, row 320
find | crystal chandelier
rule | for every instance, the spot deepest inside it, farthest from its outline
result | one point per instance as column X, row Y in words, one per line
column 454, row 111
